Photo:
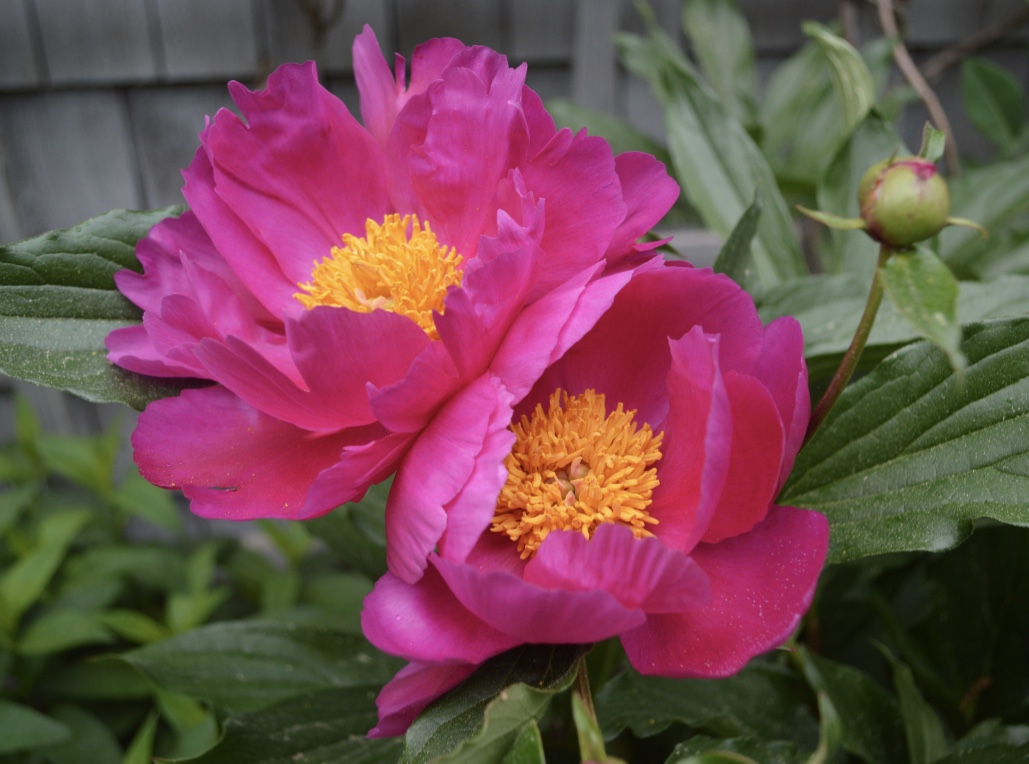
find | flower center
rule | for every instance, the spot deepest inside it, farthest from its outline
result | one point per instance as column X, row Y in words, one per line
column 388, row 269
column 574, row 467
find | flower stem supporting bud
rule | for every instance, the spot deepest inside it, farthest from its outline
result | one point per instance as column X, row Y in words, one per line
column 857, row 345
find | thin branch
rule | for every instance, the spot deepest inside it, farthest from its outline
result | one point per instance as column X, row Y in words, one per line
column 947, row 57
column 910, row 71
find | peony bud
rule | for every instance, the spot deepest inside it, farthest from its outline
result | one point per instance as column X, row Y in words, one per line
column 903, row 201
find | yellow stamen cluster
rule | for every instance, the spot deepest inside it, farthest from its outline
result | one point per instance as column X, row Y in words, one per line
column 388, row 269
column 574, row 467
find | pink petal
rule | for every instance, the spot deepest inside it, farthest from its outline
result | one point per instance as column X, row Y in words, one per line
column 527, row 612
column 697, row 444
column 648, row 193
column 639, row 573
column 230, row 460
column 300, row 172
column 408, row 404
column 757, row 453
column 408, row 693
column 380, row 95
column 425, row 623
column 761, row 584
column 132, row 349
column 438, row 469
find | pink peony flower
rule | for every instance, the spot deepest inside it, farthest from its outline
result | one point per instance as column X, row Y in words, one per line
column 339, row 283
column 629, row 492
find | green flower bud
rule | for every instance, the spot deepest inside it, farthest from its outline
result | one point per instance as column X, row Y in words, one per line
column 903, row 201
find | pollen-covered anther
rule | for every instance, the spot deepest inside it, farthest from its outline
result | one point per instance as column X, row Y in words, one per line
column 574, row 467
column 398, row 266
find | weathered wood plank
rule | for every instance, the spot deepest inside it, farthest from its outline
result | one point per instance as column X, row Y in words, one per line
column 594, row 66
column 933, row 23
column 204, row 39
column 165, row 123
column 291, row 36
column 69, row 157
column 541, row 30
column 10, row 228
column 103, row 41
column 472, row 21
column 17, row 59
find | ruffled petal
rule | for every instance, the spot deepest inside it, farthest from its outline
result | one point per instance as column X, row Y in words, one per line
column 410, row 691
column 757, row 453
column 132, row 349
column 640, row 573
column 438, row 470
column 230, row 460
column 648, row 193
column 761, row 584
column 528, row 612
column 424, row 622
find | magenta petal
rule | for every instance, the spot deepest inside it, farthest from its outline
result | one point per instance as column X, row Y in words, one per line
column 408, row 693
column 424, row 622
column 132, row 349
column 696, row 447
column 757, row 452
column 230, row 460
column 781, row 368
column 531, row 613
column 639, row 573
column 648, row 193
column 436, row 471
column 408, row 404
column 761, row 584
column 375, row 83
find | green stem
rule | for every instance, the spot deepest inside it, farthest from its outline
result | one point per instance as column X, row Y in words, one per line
column 853, row 354
column 591, row 742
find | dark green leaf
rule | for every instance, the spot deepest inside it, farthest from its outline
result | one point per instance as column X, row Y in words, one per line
column 323, row 727
column 357, row 532
column 994, row 102
column 95, row 680
column 247, row 665
column 60, row 302
column 720, row 39
column 926, row 739
column 870, row 725
column 13, row 502
column 908, row 458
column 996, row 197
column 851, row 79
column 480, row 720
column 924, row 291
column 763, row 701
column 24, row 729
column 527, row 749
column 714, row 159
column 701, row 749
column 829, row 307
column 63, row 629
column 734, row 259
column 141, row 749
column 90, row 740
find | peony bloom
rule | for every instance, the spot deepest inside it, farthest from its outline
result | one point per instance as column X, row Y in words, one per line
column 629, row 492
column 339, row 283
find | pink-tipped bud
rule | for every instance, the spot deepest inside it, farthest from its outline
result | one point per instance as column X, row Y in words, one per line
column 903, row 201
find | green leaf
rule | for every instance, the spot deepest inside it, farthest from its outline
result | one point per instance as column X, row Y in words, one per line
column 247, row 665
column 991, row 743
column 86, row 461
column 721, row 41
column 323, row 727
column 95, row 680
column 63, row 629
column 926, row 740
column 908, row 459
column 702, row 749
column 924, row 291
column 994, row 102
column 480, row 720
column 356, row 532
column 762, row 701
column 734, row 259
column 851, row 79
column 141, row 749
column 23, row 583
column 829, row 307
column 90, row 739
column 714, row 159
column 60, row 302
column 527, row 749
column 995, row 196
column 137, row 498
column 134, row 626
column 933, row 143
column 869, row 718
column 13, row 502
column 872, row 140
column 831, row 731
column 25, row 729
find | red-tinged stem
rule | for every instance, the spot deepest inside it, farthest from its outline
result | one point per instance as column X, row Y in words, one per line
column 853, row 354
